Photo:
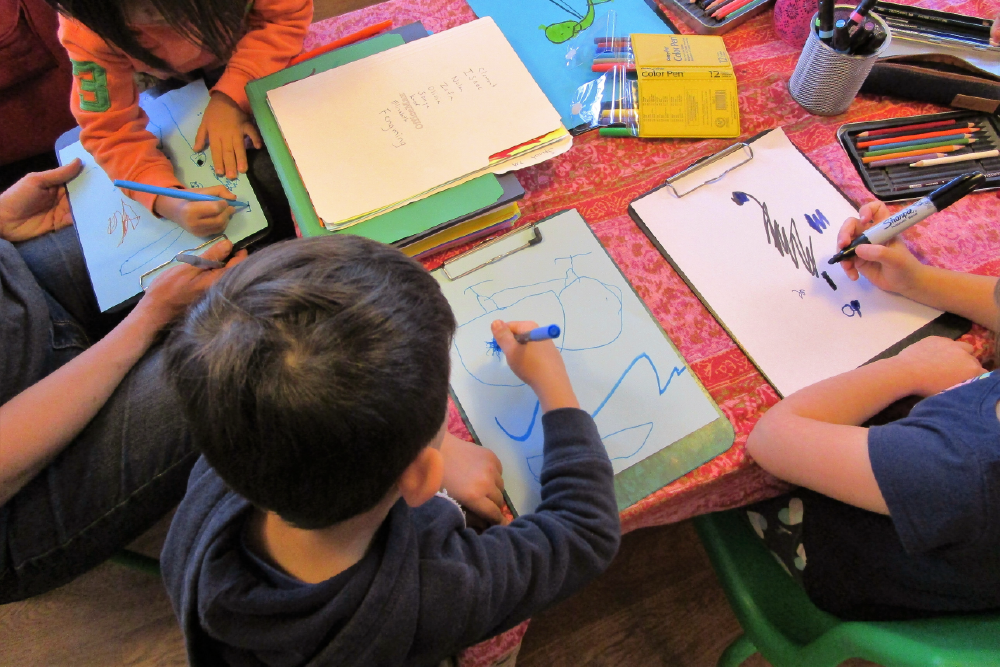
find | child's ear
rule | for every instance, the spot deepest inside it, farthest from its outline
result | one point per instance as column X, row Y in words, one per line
column 422, row 478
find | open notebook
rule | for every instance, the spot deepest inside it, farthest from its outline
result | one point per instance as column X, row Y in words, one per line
column 373, row 135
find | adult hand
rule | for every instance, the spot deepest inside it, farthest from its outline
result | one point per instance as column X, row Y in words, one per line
column 201, row 218
column 223, row 127
column 538, row 364
column 37, row 203
column 890, row 267
column 473, row 477
column 935, row 364
column 170, row 294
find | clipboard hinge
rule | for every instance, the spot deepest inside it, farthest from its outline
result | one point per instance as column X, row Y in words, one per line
column 533, row 241
column 747, row 151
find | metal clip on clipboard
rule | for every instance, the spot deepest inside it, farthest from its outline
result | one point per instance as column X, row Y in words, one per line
column 148, row 276
column 501, row 246
column 706, row 161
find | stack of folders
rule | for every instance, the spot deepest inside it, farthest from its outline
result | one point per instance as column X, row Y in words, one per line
column 432, row 115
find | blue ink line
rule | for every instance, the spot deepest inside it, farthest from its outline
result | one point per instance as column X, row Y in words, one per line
column 673, row 373
column 531, row 426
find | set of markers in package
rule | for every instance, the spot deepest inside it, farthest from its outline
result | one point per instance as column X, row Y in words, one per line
column 660, row 86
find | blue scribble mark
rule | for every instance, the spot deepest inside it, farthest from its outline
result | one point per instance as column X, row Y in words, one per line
column 527, row 434
column 535, row 462
column 198, row 158
column 851, row 308
column 817, row 221
column 787, row 242
column 149, row 252
column 800, row 292
column 494, row 347
column 675, row 372
column 195, row 184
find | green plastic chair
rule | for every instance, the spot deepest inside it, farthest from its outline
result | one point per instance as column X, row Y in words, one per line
column 784, row 626
column 137, row 561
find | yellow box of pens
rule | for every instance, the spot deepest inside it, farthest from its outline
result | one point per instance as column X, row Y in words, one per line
column 687, row 87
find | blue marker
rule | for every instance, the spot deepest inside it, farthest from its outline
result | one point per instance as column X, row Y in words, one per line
column 175, row 193
column 541, row 333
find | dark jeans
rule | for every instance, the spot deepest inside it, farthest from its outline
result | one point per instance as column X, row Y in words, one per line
column 124, row 471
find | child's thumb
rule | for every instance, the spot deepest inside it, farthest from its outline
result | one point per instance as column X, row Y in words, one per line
column 871, row 252
column 503, row 335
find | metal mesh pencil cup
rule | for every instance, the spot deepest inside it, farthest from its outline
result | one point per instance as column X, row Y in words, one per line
column 826, row 81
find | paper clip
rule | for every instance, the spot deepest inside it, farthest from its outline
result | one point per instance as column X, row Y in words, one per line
column 535, row 239
column 700, row 164
column 152, row 273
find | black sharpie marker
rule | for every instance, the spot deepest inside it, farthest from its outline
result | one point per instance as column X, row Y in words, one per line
column 940, row 199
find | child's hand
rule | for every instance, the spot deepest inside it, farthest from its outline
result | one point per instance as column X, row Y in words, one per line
column 37, row 203
column 538, row 364
column 472, row 476
column 935, row 364
column 170, row 294
column 201, row 218
column 223, row 127
column 995, row 32
column 890, row 267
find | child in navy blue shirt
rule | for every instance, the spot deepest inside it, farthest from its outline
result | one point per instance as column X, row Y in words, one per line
column 899, row 520
column 315, row 379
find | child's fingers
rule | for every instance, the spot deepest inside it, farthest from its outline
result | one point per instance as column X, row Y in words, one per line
column 229, row 158
column 218, row 152
column 847, row 232
column 201, row 138
column 240, row 153
column 503, row 336
column 250, row 130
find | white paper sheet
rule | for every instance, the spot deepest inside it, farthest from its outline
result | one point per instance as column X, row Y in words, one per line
column 624, row 369
column 122, row 239
column 391, row 126
column 758, row 265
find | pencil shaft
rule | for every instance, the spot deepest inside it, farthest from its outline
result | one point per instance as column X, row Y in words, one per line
column 901, row 160
column 186, row 195
column 343, row 41
column 903, row 149
column 730, row 9
column 913, row 137
column 913, row 154
column 946, row 138
column 956, row 158
column 901, row 128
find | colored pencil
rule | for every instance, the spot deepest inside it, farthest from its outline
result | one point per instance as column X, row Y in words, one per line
column 911, row 137
column 622, row 41
column 730, row 9
column 956, row 158
column 947, row 138
column 943, row 149
column 364, row 33
column 185, row 195
column 923, row 147
column 901, row 160
column 609, row 66
column 916, row 126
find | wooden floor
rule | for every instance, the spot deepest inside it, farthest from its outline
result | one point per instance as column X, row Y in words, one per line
column 658, row 604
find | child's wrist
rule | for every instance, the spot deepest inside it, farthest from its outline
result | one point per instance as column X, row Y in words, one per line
column 556, row 395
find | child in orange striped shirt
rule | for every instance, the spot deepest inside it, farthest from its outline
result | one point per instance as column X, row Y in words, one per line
column 110, row 42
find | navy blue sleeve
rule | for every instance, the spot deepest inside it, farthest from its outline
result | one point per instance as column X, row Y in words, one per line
column 474, row 586
column 930, row 475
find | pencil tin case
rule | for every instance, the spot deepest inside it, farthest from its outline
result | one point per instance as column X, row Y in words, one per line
column 901, row 182
column 694, row 16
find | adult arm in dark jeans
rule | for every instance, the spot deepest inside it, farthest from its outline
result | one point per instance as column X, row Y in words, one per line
column 62, row 398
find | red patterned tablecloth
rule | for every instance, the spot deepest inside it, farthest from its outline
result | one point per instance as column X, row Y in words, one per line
column 600, row 176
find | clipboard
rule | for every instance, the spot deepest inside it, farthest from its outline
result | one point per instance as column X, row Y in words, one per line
column 646, row 475
column 128, row 296
column 700, row 174
column 421, row 218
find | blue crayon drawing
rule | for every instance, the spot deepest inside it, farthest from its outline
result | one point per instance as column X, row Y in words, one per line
column 573, row 301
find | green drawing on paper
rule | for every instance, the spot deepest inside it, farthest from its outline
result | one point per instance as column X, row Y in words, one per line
column 557, row 33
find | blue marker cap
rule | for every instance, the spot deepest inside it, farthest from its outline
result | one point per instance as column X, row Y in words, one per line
column 541, row 333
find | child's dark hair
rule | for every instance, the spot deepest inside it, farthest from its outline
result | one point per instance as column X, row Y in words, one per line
column 214, row 25
column 313, row 373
